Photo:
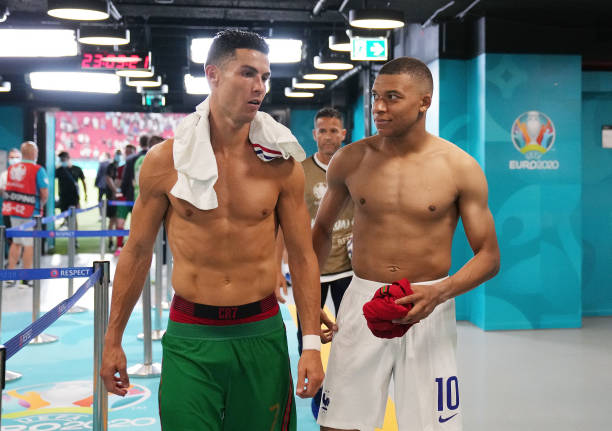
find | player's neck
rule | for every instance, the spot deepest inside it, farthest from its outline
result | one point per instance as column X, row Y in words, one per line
column 225, row 132
column 322, row 158
column 412, row 141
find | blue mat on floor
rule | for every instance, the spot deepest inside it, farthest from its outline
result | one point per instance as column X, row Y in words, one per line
column 55, row 392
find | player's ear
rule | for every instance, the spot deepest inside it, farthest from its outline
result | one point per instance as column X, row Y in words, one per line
column 212, row 74
column 425, row 102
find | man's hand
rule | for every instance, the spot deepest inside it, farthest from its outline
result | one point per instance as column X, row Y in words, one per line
column 327, row 333
column 309, row 368
column 424, row 299
column 113, row 363
column 281, row 283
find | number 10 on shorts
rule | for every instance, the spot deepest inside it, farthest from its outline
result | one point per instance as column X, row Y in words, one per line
column 448, row 391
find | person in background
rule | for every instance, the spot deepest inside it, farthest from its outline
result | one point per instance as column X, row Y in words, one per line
column 127, row 181
column 122, row 211
column 113, row 193
column 100, row 181
column 27, row 190
column 138, row 163
column 14, row 157
column 68, row 176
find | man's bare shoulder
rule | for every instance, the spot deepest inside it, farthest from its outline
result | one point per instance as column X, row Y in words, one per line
column 350, row 156
column 158, row 167
column 465, row 168
column 160, row 155
column 456, row 156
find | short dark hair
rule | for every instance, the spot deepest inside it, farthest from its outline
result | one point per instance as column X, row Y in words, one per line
column 410, row 66
column 328, row 112
column 154, row 140
column 130, row 146
column 144, row 141
column 64, row 155
column 226, row 42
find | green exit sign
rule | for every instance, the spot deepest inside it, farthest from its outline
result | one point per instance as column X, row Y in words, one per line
column 369, row 48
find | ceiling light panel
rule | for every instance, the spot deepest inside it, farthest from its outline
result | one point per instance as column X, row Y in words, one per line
column 37, row 43
column 281, row 50
column 87, row 82
column 196, row 84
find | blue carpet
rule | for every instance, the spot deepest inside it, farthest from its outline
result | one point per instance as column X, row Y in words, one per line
column 55, row 390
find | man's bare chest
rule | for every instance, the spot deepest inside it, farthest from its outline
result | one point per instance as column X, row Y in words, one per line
column 244, row 194
column 422, row 190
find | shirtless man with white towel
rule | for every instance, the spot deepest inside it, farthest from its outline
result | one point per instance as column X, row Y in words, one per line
column 222, row 187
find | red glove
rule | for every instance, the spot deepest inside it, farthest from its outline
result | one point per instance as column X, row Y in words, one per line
column 382, row 309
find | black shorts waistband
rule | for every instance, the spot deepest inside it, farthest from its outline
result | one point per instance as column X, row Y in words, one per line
column 224, row 313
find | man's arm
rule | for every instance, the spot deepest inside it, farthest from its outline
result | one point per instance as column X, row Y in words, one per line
column 281, row 283
column 295, row 223
column 44, row 196
column 82, row 178
column 480, row 231
column 335, row 200
column 132, row 268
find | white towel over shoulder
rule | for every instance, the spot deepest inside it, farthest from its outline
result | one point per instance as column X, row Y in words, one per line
column 195, row 161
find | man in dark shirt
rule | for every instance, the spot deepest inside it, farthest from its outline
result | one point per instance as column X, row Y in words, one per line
column 68, row 176
column 113, row 192
column 127, row 181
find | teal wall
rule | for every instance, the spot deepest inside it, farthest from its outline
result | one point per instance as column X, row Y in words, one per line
column 538, row 213
column 302, row 123
column 358, row 131
column 596, row 195
column 11, row 127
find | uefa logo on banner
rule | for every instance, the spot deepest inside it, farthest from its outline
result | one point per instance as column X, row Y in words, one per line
column 533, row 135
column 54, row 273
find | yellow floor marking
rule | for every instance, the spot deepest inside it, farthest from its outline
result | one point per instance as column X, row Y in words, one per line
column 390, row 423
column 32, row 398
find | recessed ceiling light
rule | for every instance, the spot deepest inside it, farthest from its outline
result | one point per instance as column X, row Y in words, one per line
column 340, row 42
column 318, row 76
column 142, row 82
column 136, row 73
column 80, row 10
column 103, row 36
column 307, row 85
column 331, row 63
column 299, row 94
column 376, row 18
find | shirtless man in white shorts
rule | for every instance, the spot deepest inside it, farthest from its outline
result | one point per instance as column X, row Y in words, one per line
column 409, row 189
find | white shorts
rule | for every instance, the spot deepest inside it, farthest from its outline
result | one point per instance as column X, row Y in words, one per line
column 422, row 363
column 23, row 240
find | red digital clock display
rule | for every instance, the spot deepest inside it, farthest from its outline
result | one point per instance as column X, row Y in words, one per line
column 114, row 61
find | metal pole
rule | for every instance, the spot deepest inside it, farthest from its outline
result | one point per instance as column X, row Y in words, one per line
column 158, row 332
column 103, row 227
column 148, row 368
column 7, row 375
column 2, row 371
column 367, row 106
column 100, row 405
column 42, row 338
column 71, row 254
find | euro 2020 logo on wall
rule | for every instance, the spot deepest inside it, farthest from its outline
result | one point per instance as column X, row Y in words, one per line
column 533, row 135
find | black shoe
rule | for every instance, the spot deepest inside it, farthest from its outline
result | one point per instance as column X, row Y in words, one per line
column 26, row 283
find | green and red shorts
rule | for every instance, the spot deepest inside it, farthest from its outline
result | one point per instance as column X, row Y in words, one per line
column 226, row 369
